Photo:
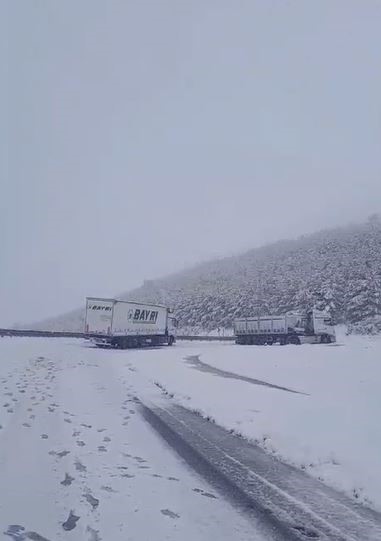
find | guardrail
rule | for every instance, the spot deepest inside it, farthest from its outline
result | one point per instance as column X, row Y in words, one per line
column 67, row 334
column 51, row 334
column 207, row 338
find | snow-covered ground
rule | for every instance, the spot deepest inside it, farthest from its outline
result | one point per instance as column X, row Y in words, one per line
column 78, row 462
column 332, row 430
column 67, row 408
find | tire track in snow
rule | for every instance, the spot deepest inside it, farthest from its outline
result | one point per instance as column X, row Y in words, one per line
column 287, row 501
column 194, row 361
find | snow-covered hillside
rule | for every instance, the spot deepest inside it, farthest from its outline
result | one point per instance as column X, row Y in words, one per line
column 338, row 270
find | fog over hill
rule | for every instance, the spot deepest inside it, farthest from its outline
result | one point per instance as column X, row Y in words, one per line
column 338, row 270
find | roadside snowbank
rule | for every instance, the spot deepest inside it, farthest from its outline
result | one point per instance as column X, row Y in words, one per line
column 333, row 430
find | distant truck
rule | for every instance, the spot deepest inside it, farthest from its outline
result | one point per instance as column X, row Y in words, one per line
column 127, row 324
column 312, row 327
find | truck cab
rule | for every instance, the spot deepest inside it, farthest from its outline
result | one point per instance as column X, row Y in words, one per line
column 323, row 326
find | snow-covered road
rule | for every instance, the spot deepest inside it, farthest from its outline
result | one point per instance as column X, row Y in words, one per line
column 94, row 445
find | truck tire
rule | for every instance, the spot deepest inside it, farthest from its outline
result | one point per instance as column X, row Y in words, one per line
column 293, row 339
column 123, row 343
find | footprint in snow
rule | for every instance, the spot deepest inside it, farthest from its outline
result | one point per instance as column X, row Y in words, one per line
column 169, row 513
column 26, row 425
column 94, row 502
column 101, row 429
column 139, row 459
column 71, row 521
column 79, row 466
column 44, row 436
column 68, row 480
column 206, row 494
column 60, row 454
column 102, row 449
column 106, row 438
column 18, row 533
column 173, row 479
column 86, row 426
column 107, row 488
column 93, row 534
column 81, row 443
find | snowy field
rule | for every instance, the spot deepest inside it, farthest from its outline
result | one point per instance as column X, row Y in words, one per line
column 68, row 409
column 331, row 429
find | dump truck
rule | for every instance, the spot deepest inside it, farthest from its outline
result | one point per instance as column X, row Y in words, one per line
column 312, row 327
column 125, row 324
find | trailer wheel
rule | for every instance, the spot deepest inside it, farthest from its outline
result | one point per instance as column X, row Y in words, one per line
column 293, row 339
column 124, row 343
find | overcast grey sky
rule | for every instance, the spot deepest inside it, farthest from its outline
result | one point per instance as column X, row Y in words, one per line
column 144, row 136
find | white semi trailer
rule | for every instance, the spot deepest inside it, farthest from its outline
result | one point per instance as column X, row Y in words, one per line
column 312, row 327
column 125, row 324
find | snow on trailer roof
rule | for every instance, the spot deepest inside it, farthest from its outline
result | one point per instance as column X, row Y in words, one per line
column 127, row 302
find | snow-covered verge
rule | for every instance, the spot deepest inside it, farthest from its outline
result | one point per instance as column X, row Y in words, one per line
column 332, row 430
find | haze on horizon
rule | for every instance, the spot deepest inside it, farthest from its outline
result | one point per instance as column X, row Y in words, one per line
column 141, row 137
